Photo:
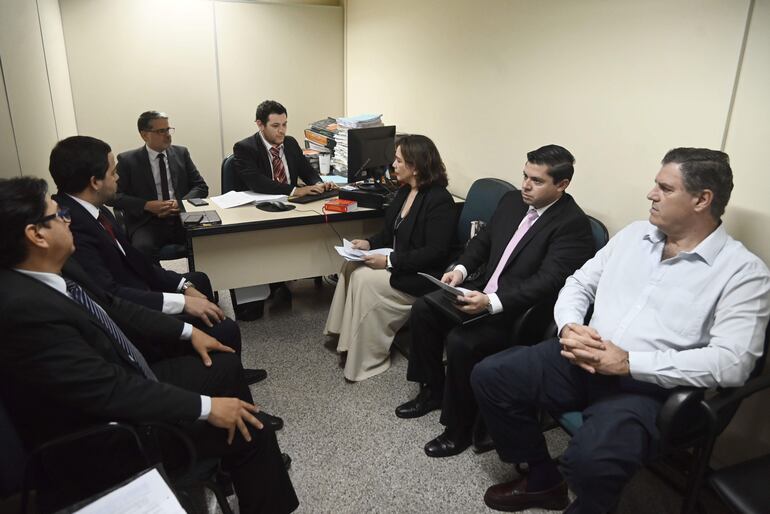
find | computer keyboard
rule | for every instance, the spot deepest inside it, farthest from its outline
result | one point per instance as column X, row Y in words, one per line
column 313, row 198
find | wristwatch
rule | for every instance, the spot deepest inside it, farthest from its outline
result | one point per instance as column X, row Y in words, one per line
column 187, row 284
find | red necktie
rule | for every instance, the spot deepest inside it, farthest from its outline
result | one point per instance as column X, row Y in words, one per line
column 107, row 226
column 279, row 174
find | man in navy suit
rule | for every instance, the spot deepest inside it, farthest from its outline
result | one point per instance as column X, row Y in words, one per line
column 154, row 178
column 536, row 238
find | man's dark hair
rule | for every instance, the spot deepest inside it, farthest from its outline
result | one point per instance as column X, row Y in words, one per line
column 22, row 202
column 558, row 159
column 144, row 123
column 704, row 169
column 75, row 160
column 268, row 107
column 420, row 153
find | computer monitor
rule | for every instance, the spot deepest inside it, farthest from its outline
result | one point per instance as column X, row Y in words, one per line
column 370, row 152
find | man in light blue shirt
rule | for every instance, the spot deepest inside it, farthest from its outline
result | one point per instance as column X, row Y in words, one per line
column 677, row 302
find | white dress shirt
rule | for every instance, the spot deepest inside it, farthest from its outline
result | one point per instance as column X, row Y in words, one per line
column 173, row 303
column 58, row 284
column 495, row 305
column 155, row 167
column 695, row 319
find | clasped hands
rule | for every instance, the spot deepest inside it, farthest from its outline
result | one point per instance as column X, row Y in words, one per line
column 584, row 347
column 162, row 208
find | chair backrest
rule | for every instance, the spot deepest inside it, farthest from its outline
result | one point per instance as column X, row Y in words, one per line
column 480, row 204
column 600, row 233
column 228, row 174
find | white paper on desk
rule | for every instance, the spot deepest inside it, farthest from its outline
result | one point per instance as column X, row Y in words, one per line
column 238, row 198
column 145, row 494
column 454, row 291
column 335, row 178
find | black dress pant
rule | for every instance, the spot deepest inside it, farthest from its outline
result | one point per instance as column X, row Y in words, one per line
column 465, row 346
column 259, row 476
column 618, row 434
column 157, row 233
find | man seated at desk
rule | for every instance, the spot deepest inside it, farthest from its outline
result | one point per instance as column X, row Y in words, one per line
column 270, row 162
column 153, row 179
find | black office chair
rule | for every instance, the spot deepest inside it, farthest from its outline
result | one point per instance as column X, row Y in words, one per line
column 743, row 487
column 228, row 175
column 22, row 471
column 689, row 425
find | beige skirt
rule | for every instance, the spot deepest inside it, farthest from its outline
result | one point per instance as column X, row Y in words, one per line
column 366, row 312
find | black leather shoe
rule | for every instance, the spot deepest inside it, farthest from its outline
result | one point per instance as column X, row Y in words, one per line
column 270, row 421
column 286, row 461
column 250, row 311
column 513, row 496
column 424, row 403
column 252, row 376
column 448, row 443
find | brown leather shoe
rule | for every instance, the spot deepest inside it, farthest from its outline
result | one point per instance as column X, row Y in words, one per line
column 513, row 496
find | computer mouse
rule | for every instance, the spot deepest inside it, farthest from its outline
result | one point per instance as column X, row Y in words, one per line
column 275, row 206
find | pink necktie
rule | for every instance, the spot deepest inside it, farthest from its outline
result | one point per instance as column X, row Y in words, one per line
column 527, row 222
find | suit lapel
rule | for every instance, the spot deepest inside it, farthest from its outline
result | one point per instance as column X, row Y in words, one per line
column 411, row 219
column 147, row 177
column 546, row 219
column 174, row 164
column 519, row 212
column 263, row 156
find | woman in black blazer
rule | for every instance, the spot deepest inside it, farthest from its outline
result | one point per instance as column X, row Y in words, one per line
column 373, row 298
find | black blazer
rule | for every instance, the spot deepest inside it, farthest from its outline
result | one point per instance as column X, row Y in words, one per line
column 133, row 276
column 253, row 172
column 136, row 184
column 60, row 370
column 551, row 250
column 423, row 240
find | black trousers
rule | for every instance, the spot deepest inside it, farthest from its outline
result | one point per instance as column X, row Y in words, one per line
column 465, row 346
column 157, row 233
column 618, row 434
column 259, row 476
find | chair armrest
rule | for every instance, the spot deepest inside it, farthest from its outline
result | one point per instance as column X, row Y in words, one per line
column 677, row 412
column 732, row 397
column 182, row 438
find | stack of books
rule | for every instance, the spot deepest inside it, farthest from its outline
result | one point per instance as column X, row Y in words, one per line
column 319, row 135
column 340, row 158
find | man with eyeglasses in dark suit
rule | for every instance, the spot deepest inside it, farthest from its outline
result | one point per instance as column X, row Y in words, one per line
column 154, row 178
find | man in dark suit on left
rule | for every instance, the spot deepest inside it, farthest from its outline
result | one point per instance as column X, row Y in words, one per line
column 83, row 169
column 69, row 359
column 154, row 178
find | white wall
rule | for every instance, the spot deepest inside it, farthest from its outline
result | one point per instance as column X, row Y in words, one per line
column 207, row 64
column 37, row 113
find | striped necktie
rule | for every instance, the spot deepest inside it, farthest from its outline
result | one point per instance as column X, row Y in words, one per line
column 279, row 174
column 132, row 352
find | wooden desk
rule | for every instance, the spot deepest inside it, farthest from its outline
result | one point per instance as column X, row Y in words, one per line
column 252, row 246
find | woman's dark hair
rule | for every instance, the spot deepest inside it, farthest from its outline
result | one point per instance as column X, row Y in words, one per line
column 22, row 202
column 420, row 153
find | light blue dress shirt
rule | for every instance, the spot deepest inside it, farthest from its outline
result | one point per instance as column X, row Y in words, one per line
column 695, row 319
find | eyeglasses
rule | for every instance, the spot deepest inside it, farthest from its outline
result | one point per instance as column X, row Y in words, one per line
column 63, row 213
column 168, row 130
